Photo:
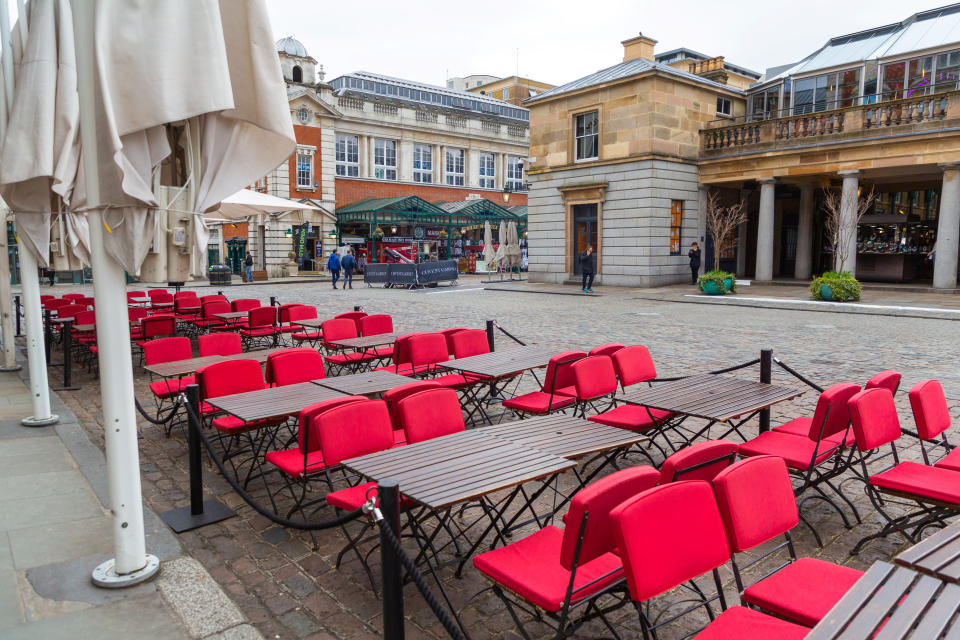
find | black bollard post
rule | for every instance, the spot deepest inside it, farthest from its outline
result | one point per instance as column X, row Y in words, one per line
column 16, row 302
column 766, row 363
column 48, row 315
column 357, row 308
column 67, row 333
column 219, row 293
column 388, row 494
column 273, row 301
column 490, row 334
column 200, row 512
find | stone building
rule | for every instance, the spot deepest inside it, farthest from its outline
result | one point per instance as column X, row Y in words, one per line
column 513, row 89
column 468, row 82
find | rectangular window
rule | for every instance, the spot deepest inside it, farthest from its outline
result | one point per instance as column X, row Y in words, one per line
column 920, row 76
column 304, row 170
column 893, row 80
column 348, row 155
column 803, row 96
column 948, row 71
column 515, row 174
column 676, row 221
column 385, row 159
column 422, row 163
column 506, row 94
column 724, row 106
column 587, row 134
column 454, row 162
column 487, row 171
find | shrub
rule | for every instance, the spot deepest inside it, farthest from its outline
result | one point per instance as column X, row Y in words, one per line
column 843, row 286
column 716, row 276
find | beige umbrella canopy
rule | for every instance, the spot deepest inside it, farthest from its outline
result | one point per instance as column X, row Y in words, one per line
column 488, row 251
column 513, row 245
column 502, row 245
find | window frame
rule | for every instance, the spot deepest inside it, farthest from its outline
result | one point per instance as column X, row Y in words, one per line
column 350, row 168
column 452, row 176
column 676, row 227
column 595, row 135
column 383, row 169
column 487, row 171
column 729, row 104
column 301, row 174
column 513, row 177
column 423, row 174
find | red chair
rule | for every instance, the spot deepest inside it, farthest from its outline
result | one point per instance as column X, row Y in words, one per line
column 291, row 366
column 227, row 378
column 816, row 458
column 447, row 333
column 671, row 534
column 606, row 349
column 430, row 414
column 244, row 304
column 219, row 344
column 401, row 356
column 186, row 306
column 355, row 316
column 46, row 298
column 208, row 320
column 160, row 301
column 135, row 315
column 376, row 324
column 299, row 463
column 136, row 294
column 935, row 491
column 213, row 297
column 73, row 296
column 301, row 335
column 473, row 342
column 162, row 350
column 888, row 379
column 563, row 571
column 699, row 461
column 342, row 329
column 263, row 329
column 427, row 350
column 70, row 310
column 595, row 383
column 90, row 301
column 393, row 397
column 932, row 417
column 155, row 292
column 85, row 339
column 549, row 399
column 157, row 326
column 283, row 318
column 756, row 503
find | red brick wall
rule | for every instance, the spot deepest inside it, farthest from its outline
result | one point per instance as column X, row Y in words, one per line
column 350, row 191
column 239, row 230
column 309, row 136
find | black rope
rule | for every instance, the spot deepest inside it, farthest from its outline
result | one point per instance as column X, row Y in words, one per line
column 158, row 420
column 735, row 367
column 304, row 526
column 797, row 375
column 509, row 335
column 418, row 580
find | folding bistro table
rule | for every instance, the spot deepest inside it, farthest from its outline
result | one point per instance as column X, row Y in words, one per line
column 232, row 318
column 371, row 383
column 364, row 344
column 178, row 368
column 273, row 402
column 715, row 398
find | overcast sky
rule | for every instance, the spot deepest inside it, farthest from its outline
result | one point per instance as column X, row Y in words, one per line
column 561, row 40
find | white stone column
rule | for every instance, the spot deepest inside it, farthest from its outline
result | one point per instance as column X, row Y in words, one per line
column 777, row 235
column 802, row 267
column 405, row 160
column 438, row 160
column 948, row 229
column 702, row 196
column 848, row 221
column 764, row 270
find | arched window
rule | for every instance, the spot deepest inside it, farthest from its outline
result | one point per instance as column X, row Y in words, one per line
column 297, row 74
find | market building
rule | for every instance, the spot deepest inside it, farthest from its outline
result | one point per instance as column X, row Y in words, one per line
column 623, row 159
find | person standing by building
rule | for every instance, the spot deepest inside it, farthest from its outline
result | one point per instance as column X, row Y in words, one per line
column 333, row 265
column 348, row 264
column 588, row 266
column 248, row 268
column 694, row 255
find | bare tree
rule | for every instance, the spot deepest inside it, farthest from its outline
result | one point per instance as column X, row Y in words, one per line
column 721, row 222
column 841, row 234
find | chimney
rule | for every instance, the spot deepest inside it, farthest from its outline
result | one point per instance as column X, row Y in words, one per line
column 638, row 47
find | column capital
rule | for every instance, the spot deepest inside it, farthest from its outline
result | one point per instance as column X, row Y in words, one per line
column 849, row 173
column 949, row 166
column 767, row 180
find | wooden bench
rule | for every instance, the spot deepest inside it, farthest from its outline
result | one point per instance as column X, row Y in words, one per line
column 259, row 276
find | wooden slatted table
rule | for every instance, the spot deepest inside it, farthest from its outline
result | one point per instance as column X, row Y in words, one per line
column 563, row 435
column 938, row 555
column 232, row 315
column 891, row 602
column 84, row 328
column 179, row 368
column 718, row 398
column 364, row 343
column 498, row 364
column 138, row 300
column 274, row 402
column 370, row 383
column 313, row 323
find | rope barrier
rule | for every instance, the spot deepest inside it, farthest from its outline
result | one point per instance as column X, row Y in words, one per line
column 293, row 524
column 159, row 421
column 508, row 334
column 735, row 367
column 796, row 375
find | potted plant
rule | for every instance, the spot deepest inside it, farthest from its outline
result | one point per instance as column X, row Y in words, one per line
column 443, row 235
column 378, row 233
column 838, row 287
column 717, row 282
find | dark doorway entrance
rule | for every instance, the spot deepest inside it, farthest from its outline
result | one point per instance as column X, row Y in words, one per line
column 788, row 244
column 584, row 232
column 236, row 252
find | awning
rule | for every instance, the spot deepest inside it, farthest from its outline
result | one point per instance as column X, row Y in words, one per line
column 246, row 203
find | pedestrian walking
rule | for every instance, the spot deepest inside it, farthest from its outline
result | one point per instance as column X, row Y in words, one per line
column 248, row 268
column 333, row 264
column 588, row 266
column 694, row 255
column 348, row 264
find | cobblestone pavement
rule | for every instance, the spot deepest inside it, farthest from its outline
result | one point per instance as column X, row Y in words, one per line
column 289, row 591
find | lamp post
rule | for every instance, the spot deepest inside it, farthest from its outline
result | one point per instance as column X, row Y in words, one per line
column 506, row 194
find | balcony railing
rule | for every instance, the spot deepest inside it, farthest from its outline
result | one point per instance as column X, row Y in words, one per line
column 385, row 109
column 350, row 103
column 916, row 113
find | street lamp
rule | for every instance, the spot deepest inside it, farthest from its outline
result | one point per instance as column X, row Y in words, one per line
column 506, row 194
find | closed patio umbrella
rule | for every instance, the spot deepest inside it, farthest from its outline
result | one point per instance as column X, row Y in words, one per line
column 501, row 246
column 513, row 245
column 488, row 250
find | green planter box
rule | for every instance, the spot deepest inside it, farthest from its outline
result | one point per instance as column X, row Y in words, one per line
column 826, row 293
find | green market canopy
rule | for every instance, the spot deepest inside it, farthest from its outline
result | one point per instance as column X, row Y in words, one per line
column 417, row 211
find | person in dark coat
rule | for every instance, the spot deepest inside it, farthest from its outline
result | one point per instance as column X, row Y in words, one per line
column 694, row 255
column 348, row 264
column 588, row 266
column 248, row 268
column 333, row 264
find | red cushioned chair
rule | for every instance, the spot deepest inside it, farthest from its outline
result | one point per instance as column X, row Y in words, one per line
column 213, row 297
column 160, row 301
column 263, row 329
column 633, row 365
column 378, row 324
column 70, row 310
column 90, row 301
column 756, row 503
column 400, row 356
column 164, row 391
column 135, row 315
column 220, row 344
column 134, row 294
column 46, row 298
column 355, row 316
column 671, row 534
column 55, row 303
column 186, row 306
column 151, row 327
column 393, row 397
column 473, row 342
column 83, row 340
column 427, row 350
column 565, row 573
column 932, row 417
column 606, row 349
column 430, row 414
column 550, row 398
column 290, row 366
column 595, row 383
column 699, row 461
column 283, row 317
column 73, row 296
column 932, row 492
column 349, row 431
column 301, row 335
column 337, row 360
column 888, row 379
column 447, row 333
column 154, row 292
column 245, row 304
column 299, row 463
column 208, row 320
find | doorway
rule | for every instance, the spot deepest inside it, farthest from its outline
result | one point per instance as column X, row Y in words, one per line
column 584, row 232
column 236, row 252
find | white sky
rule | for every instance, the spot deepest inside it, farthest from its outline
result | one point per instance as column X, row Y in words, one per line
column 562, row 40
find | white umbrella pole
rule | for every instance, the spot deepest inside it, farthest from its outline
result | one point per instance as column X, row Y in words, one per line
column 131, row 564
column 6, row 295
